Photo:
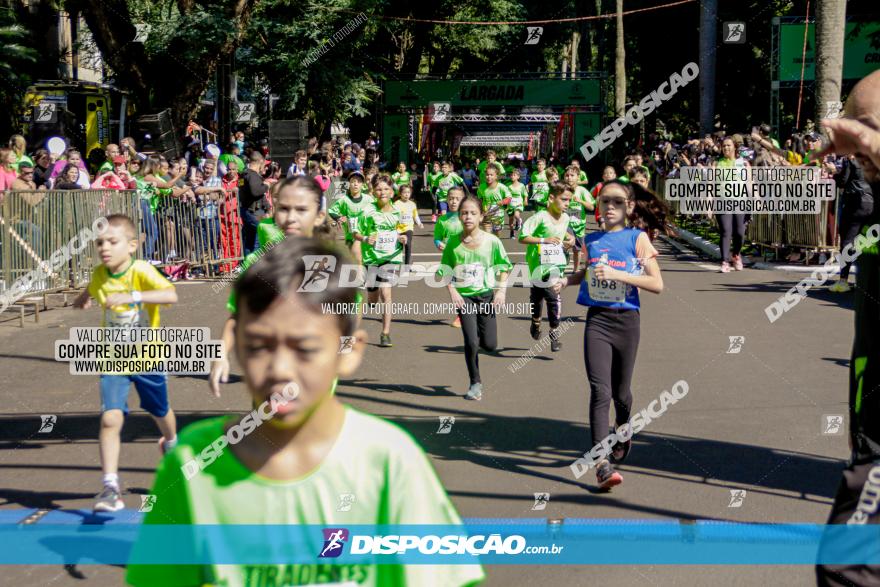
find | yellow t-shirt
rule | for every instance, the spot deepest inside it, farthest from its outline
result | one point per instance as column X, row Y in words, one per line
column 408, row 212
column 138, row 276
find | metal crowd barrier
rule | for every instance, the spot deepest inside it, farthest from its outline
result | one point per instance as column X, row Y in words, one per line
column 204, row 233
column 200, row 237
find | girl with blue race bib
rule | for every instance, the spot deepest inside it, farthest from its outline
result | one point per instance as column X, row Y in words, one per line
column 620, row 262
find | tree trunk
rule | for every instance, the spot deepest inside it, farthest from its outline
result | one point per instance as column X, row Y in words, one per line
column 830, row 29
column 708, row 43
column 575, row 48
column 619, row 65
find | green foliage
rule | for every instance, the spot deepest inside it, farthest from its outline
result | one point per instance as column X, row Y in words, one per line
column 16, row 63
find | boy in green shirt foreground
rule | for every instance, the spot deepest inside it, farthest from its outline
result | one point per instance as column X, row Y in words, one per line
column 546, row 234
column 309, row 453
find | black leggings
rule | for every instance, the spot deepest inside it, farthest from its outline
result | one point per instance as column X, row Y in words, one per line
column 731, row 226
column 479, row 329
column 611, row 340
column 554, row 304
column 849, row 230
column 407, row 248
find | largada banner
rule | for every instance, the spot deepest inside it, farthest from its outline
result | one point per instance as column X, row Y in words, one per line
column 861, row 50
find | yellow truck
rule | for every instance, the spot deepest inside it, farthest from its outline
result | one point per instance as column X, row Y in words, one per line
column 88, row 115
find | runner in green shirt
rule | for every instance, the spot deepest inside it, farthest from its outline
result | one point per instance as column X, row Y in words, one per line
column 382, row 250
column 446, row 181
column 495, row 198
column 540, row 186
column 449, row 224
column 546, row 234
column 581, row 203
column 518, row 196
column 431, row 178
column 297, row 213
column 477, row 263
column 489, row 162
column 582, row 175
column 347, row 209
column 310, row 450
column 401, row 177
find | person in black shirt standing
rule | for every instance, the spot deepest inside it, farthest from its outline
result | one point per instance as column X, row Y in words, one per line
column 858, row 494
column 250, row 200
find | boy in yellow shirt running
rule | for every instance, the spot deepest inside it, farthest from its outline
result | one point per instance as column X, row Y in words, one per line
column 130, row 293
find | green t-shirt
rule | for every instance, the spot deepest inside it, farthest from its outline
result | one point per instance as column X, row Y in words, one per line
column 23, row 159
column 351, row 209
column 446, row 183
column 491, row 199
column 268, row 234
column 375, row 461
column 400, row 179
column 434, row 178
column 577, row 212
column 225, row 158
column 543, row 225
column 518, row 195
column 384, row 225
column 505, row 179
column 447, row 226
column 540, row 188
column 482, row 169
column 474, row 270
column 582, row 177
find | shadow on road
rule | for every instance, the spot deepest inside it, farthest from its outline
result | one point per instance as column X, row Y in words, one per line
column 542, row 448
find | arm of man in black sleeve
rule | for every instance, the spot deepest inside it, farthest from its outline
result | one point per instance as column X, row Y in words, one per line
column 254, row 188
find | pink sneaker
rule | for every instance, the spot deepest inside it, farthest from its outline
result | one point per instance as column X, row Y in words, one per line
column 433, row 218
column 725, row 267
column 738, row 262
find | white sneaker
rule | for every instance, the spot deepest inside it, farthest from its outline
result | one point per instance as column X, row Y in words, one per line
column 109, row 500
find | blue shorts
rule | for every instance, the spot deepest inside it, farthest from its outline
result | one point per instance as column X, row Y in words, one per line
column 152, row 388
column 443, row 206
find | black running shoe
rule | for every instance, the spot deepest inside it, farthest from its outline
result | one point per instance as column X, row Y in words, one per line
column 535, row 330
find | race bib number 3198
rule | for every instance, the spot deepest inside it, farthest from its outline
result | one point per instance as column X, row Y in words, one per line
column 605, row 290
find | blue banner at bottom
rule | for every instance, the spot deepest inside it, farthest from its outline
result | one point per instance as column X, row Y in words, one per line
column 566, row 543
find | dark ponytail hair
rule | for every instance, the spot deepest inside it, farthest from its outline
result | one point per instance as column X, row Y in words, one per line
column 651, row 214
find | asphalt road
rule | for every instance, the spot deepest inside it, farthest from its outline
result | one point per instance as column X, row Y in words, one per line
column 751, row 421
